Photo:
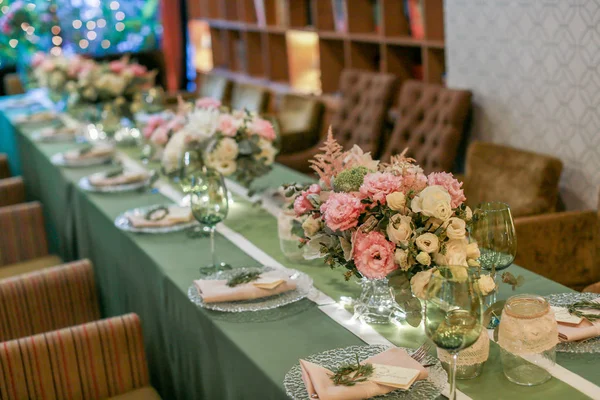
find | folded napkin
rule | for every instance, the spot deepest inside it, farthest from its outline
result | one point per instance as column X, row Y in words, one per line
column 585, row 330
column 318, row 381
column 176, row 215
column 37, row 117
column 101, row 179
column 63, row 131
column 95, row 152
column 217, row 291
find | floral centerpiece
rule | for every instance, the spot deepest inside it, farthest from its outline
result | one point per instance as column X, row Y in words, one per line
column 383, row 219
column 57, row 72
column 235, row 143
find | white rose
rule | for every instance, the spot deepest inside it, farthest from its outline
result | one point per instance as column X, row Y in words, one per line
column 456, row 252
column 424, row 258
column 456, row 228
column 227, row 150
column 173, row 152
column 267, row 152
column 56, row 80
column 486, row 284
column 428, row 242
column 473, row 251
column 311, row 226
column 396, row 201
column 473, row 263
column 401, row 258
column 419, row 282
column 433, row 201
column 399, row 229
column 468, row 213
column 225, row 167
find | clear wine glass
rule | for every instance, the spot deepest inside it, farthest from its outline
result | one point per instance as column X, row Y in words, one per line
column 494, row 231
column 210, row 205
column 452, row 314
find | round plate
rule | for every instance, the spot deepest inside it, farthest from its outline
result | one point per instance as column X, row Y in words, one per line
column 84, row 183
column 429, row 388
column 563, row 300
column 303, row 286
column 122, row 222
column 59, row 159
column 57, row 138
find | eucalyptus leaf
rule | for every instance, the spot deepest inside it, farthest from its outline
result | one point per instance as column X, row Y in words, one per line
column 494, row 311
column 247, row 147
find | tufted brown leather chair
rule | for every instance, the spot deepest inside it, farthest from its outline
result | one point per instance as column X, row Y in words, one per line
column 12, row 191
column 4, row 168
column 365, row 100
column 299, row 119
column 249, row 97
column 216, row 87
column 13, row 84
column 430, row 122
column 526, row 181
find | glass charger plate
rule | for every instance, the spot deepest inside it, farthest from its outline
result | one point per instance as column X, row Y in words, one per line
column 563, row 300
column 303, row 286
column 429, row 388
column 84, row 183
column 56, row 138
column 59, row 159
column 122, row 222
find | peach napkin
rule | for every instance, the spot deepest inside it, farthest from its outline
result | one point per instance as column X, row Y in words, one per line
column 101, row 179
column 573, row 333
column 98, row 151
column 317, row 379
column 217, row 291
column 176, row 215
column 62, row 131
column 37, row 117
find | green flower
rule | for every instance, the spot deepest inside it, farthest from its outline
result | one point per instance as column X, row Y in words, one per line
column 350, row 180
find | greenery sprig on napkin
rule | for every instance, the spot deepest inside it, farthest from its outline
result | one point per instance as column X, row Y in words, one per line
column 351, row 374
column 114, row 173
column 243, row 277
column 157, row 213
column 574, row 310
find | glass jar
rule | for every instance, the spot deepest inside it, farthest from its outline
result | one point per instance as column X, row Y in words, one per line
column 470, row 361
column 376, row 304
column 527, row 336
column 288, row 242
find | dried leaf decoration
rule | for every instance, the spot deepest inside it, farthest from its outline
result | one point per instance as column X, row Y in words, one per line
column 330, row 162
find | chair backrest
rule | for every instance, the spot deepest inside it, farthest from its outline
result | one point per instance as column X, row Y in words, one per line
column 94, row 361
column 249, row 97
column 216, row 87
column 4, row 168
column 430, row 123
column 365, row 100
column 526, row 181
column 12, row 191
column 13, row 84
column 46, row 300
column 299, row 119
column 22, row 234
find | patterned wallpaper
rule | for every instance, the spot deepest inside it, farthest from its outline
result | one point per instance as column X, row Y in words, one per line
column 534, row 69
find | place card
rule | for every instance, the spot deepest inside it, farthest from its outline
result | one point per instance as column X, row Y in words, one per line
column 563, row 316
column 266, row 283
column 396, row 377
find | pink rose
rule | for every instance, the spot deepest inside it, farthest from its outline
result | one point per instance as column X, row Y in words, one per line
column 175, row 124
column 153, row 122
column 47, row 65
column 341, row 211
column 448, row 182
column 228, row 124
column 117, row 66
column 378, row 185
column 160, row 136
column 263, row 128
column 373, row 255
column 37, row 59
column 301, row 204
column 208, row 102
column 138, row 70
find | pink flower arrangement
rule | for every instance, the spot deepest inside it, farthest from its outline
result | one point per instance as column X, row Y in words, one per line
column 377, row 185
column 448, row 182
column 208, row 102
column 117, row 66
column 37, row 59
column 302, row 205
column 160, row 136
column 153, row 123
column 263, row 128
column 228, row 124
column 341, row 211
column 373, row 255
column 138, row 70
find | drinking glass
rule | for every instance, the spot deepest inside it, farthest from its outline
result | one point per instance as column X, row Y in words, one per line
column 452, row 314
column 494, row 231
column 209, row 203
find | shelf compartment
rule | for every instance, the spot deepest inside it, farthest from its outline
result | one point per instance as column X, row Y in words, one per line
column 255, row 54
column 323, row 15
column 404, row 62
column 213, row 9
column 236, row 51
column 332, row 62
column 277, row 57
column 303, row 51
column 365, row 56
column 363, row 16
column 219, row 55
column 395, row 20
column 300, row 13
column 435, row 66
column 247, row 11
column 230, row 10
column 434, row 19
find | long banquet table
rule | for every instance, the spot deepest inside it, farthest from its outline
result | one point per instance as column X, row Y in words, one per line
column 198, row 354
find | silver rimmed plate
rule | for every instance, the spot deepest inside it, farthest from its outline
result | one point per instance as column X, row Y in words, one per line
column 59, row 159
column 564, row 300
column 35, row 118
column 45, row 136
column 85, row 184
column 303, row 286
column 122, row 222
column 429, row 388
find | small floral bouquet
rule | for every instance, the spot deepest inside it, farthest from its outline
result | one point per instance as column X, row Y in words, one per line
column 235, row 143
column 57, row 72
column 384, row 219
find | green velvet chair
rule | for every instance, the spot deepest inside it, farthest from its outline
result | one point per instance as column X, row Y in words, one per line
column 299, row 119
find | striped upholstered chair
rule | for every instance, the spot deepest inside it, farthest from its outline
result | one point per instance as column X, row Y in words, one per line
column 12, row 191
column 4, row 168
column 98, row 360
column 46, row 300
column 23, row 243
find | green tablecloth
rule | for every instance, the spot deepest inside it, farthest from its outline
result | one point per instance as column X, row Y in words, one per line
column 198, row 354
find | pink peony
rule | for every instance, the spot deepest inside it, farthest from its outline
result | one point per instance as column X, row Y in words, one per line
column 160, row 136
column 175, row 124
column 379, row 184
column 47, row 65
column 153, row 122
column 137, row 70
column 448, row 182
column 373, row 254
column 302, row 205
column 228, row 124
column 263, row 128
column 117, row 66
column 37, row 59
column 208, row 102
column 341, row 211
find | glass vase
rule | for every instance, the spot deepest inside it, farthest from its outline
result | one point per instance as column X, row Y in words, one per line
column 288, row 242
column 376, row 303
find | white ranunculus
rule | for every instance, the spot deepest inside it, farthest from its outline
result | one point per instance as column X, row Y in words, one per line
column 456, row 228
column 433, row 201
column 311, row 226
column 202, row 123
column 174, row 151
column 473, row 251
column 225, row 167
column 399, row 229
column 226, row 150
column 456, row 252
column 424, row 258
column 486, row 284
column 468, row 213
column 401, row 258
column 428, row 242
column 419, row 282
column 396, row 201
column 267, row 151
